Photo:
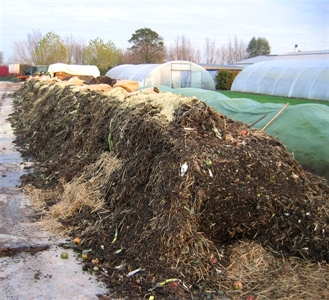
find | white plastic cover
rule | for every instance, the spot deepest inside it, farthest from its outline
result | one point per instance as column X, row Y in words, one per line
column 175, row 74
column 307, row 78
column 84, row 70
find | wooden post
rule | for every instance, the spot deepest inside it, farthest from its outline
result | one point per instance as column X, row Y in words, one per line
column 280, row 111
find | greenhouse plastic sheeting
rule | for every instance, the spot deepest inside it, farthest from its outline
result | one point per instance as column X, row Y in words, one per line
column 177, row 74
column 303, row 128
column 308, row 78
column 131, row 72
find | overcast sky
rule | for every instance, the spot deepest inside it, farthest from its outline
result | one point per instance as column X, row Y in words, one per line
column 283, row 23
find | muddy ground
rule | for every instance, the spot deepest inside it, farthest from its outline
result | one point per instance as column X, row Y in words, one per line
column 169, row 194
column 30, row 263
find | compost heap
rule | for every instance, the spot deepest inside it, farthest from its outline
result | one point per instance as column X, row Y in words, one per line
column 172, row 183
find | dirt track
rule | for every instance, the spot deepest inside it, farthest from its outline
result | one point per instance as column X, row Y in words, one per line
column 30, row 263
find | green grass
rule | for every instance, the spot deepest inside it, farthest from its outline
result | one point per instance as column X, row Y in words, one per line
column 270, row 99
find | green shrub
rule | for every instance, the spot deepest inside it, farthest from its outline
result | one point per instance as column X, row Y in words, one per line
column 224, row 79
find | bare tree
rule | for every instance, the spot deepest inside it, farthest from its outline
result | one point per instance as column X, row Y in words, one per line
column 211, row 53
column 75, row 49
column 39, row 49
column 233, row 51
column 182, row 49
column 197, row 56
column 240, row 49
column 23, row 50
column 128, row 57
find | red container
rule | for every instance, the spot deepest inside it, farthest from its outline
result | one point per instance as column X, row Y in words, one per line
column 4, row 71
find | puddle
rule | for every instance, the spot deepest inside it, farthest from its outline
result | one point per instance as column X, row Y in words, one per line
column 10, row 159
column 30, row 262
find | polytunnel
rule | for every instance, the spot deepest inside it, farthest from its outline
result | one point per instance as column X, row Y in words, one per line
column 174, row 74
column 307, row 78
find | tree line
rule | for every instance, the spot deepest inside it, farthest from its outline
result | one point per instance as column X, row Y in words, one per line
column 147, row 46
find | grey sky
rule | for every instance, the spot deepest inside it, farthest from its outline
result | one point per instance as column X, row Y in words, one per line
column 282, row 23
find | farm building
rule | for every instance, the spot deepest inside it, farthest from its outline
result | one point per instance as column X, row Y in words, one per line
column 297, row 74
column 175, row 74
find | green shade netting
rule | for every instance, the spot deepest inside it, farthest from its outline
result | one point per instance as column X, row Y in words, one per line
column 303, row 128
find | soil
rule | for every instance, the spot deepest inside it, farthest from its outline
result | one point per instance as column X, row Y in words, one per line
column 157, row 228
column 102, row 79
